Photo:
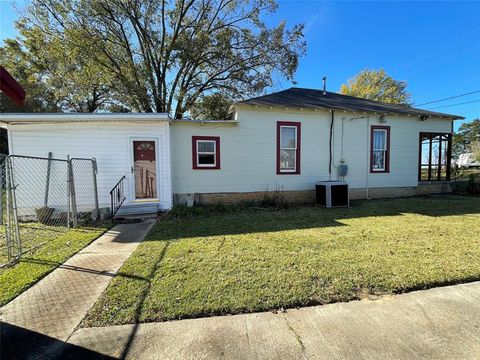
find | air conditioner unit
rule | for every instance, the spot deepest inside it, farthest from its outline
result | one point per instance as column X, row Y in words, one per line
column 332, row 194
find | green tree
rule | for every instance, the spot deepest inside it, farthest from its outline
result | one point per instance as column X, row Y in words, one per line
column 211, row 107
column 165, row 55
column 75, row 79
column 55, row 77
column 377, row 85
column 38, row 97
column 467, row 136
column 475, row 147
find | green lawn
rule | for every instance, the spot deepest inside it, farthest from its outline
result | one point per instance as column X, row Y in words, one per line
column 33, row 234
column 51, row 247
column 255, row 260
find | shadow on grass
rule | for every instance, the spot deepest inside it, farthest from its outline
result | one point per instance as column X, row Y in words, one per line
column 139, row 308
column 256, row 221
column 34, row 237
column 40, row 345
column 248, row 220
column 81, row 269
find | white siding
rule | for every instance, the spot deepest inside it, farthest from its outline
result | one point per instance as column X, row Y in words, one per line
column 248, row 151
column 109, row 143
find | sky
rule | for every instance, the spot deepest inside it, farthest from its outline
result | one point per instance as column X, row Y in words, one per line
column 434, row 46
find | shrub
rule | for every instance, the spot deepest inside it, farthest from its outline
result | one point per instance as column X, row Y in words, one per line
column 473, row 187
column 275, row 199
column 184, row 211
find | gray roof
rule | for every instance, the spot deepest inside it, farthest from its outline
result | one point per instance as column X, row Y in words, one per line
column 316, row 99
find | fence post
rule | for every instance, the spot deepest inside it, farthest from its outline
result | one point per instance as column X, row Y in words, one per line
column 68, row 193
column 72, row 193
column 14, row 208
column 47, row 183
column 95, row 189
column 2, row 183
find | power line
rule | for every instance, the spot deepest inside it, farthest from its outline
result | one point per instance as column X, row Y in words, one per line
column 463, row 103
column 449, row 85
column 448, row 98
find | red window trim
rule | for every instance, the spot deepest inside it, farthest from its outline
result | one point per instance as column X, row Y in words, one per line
column 387, row 154
column 195, row 165
column 299, row 142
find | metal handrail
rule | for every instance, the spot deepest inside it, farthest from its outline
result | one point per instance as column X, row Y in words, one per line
column 117, row 196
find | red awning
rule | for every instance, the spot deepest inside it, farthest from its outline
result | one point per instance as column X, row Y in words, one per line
column 11, row 88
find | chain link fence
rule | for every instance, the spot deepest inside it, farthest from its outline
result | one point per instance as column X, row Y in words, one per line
column 42, row 198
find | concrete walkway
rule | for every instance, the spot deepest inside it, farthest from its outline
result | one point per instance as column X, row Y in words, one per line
column 441, row 323
column 40, row 319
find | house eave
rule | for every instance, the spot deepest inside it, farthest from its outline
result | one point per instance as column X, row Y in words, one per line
column 34, row 118
column 244, row 105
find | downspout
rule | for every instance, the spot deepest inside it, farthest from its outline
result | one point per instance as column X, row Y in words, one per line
column 330, row 147
column 343, row 131
column 368, row 158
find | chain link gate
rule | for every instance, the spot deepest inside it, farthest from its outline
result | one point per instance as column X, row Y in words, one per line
column 42, row 198
column 84, row 189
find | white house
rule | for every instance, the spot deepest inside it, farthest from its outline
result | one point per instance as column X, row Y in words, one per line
column 112, row 140
column 287, row 140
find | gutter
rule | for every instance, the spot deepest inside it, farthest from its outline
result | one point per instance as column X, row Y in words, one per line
column 81, row 117
column 205, row 121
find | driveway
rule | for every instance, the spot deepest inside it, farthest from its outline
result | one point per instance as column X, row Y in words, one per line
column 440, row 323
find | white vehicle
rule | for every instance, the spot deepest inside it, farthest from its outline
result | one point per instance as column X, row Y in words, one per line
column 467, row 160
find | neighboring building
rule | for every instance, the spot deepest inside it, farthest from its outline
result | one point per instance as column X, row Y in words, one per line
column 287, row 140
column 467, row 160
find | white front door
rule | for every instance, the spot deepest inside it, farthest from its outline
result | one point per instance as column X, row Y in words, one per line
column 144, row 169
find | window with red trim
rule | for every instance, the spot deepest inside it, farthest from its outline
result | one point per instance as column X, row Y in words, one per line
column 380, row 149
column 288, row 147
column 206, row 152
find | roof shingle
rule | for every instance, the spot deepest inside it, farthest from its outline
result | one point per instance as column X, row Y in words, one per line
column 316, row 99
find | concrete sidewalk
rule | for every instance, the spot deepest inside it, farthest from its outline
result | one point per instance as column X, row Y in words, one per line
column 441, row 323
column 44, row 316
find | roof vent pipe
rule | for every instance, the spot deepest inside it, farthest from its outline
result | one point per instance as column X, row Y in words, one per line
column 324, row 79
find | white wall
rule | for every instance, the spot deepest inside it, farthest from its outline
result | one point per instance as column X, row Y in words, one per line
column 108, row 142
column 248, row 151
column 404, row 147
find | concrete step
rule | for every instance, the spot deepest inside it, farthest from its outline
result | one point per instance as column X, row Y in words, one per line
column 137, row 209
